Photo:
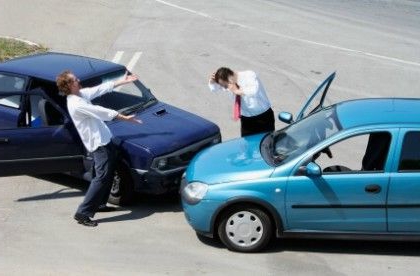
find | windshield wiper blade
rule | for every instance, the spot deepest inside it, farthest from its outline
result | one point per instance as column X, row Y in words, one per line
column 131, row 109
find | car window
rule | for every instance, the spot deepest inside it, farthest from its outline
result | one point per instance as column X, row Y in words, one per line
column 9, row 111
column 286, row 144
column 10, row 101
column 361, row 153
column 126, row 99
column 10, row 83
column 43, row 113
column 410, row 153
column 35, row 111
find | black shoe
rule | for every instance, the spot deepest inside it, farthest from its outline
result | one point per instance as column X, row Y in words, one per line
column 104, row 208
column 85, row 220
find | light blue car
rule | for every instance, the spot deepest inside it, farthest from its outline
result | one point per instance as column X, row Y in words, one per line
column 350, row 170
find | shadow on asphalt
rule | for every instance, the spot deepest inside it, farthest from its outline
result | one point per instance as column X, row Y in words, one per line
column 391, row 248
column 69, row 182
column 143, row 205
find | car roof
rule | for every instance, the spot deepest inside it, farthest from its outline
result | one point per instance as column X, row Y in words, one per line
column 378, row 111
column 48, row 65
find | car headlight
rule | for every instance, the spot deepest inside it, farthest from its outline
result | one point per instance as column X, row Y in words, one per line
column 216, row 140
column 162, row 163
column 194, row 192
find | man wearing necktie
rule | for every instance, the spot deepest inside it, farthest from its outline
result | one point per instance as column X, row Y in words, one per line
column 251, row 104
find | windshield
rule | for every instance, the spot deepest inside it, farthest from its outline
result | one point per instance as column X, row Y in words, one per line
column 127, row 98
column 288, row 143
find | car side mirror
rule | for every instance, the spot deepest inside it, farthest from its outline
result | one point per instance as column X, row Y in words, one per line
column 286, row 117
column 312, row 169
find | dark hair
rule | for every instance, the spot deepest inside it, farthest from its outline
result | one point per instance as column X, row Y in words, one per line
column 64, row 81
column 223, row 73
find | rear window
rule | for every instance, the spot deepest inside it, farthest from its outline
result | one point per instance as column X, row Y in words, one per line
column 410, row 153
column 9, row 83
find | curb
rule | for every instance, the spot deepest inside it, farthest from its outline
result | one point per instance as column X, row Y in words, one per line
column 22, row 40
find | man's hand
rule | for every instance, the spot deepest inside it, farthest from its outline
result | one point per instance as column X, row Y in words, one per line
column 129, row 118
column 126, row 79
column 234, row 88
column 212, row 78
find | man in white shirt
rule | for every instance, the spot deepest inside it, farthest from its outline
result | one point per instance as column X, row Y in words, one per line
column 251, row 104
column 96, row 137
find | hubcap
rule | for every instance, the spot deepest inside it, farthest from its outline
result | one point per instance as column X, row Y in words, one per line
column 244, row 229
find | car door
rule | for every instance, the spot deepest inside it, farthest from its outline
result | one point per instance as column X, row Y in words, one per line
column 404, row 190
column 33, row 144
column 312, row 104
column 350, row 193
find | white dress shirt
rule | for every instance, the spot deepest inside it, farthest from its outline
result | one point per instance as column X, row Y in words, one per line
column 254, row 100
column 88, row 118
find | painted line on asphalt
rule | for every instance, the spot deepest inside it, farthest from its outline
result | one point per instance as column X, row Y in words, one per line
column 344, row 49
column 134, row 60
column 118, row 56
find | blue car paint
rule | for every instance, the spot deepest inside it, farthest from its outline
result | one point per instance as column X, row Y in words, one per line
column 381, row 110
column 238, row 159
column 47, row 66
column 290, row 196
column 152, row 135
column 404, row 193
column 166, row 129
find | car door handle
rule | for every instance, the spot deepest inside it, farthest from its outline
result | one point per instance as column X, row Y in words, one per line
column 4, row 140
column 373, row 189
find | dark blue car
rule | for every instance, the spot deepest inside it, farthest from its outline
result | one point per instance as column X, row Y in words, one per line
column 37, row 135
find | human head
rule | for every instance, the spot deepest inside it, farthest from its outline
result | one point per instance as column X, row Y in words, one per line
column 68, row 83
column 224, row 76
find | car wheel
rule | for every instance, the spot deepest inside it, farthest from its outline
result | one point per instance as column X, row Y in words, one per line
column 122, row 191
column 245, row 229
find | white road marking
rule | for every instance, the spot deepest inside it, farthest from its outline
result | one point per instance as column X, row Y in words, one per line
column 184, row 9
column 134, row 60
column 344, row 49
column 118, row 56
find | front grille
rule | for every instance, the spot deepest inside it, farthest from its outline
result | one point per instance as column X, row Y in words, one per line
column 180, row 159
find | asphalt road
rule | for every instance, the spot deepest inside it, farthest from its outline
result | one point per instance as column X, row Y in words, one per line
column 173, row 45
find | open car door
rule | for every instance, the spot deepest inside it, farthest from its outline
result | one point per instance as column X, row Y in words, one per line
column 311, row 105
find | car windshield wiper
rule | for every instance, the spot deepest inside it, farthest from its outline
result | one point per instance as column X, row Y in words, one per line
column 133, row 108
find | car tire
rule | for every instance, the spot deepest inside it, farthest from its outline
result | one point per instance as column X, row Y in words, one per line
column 122, row 191
column 245, row 229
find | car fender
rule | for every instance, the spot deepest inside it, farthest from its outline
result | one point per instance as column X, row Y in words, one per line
column 248, row 200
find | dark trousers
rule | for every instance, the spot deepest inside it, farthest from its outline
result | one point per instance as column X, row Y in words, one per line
column 257, row 124
column 104, row 162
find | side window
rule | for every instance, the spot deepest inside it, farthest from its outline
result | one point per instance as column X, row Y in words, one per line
column 10, row 101
column 9, row 111
column 32, row 111
column 410, row 153
column 361, row 153
column 9, row 83
column 43, row 113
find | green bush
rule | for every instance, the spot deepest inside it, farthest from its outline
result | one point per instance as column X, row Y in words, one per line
column 11, row 48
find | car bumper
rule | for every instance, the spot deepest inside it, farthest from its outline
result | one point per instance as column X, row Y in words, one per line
column 199, row 215
column 153, row 182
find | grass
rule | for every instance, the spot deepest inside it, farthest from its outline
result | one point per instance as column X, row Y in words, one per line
column 11, row 48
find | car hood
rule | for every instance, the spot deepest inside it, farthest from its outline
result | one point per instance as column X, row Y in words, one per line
column 234, row 160
column 165, row 129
